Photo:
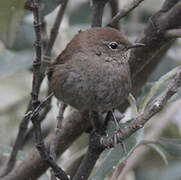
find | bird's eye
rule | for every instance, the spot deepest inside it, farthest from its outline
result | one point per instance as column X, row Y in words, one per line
column 113, row 45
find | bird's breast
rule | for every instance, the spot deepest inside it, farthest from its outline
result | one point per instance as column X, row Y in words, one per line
column 93, row 86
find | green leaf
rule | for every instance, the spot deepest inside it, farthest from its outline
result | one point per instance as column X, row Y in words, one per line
column 6, row 151
column 112, row 157
column 132, row 102
column 160, row 152
column 157, row 88
column 11, row 15
column 175, row 97
column 145, row 90
column 172, row 146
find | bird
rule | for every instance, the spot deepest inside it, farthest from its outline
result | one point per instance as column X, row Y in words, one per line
column 92, row 72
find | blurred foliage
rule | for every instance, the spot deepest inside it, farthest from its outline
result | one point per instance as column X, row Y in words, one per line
column 11, row 61
column 6, row 151
column 83, row 17
column 46, row 6
column 11, row 14
column 172, row 146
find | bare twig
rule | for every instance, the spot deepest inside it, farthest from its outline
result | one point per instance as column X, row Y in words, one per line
column 74, row 124
column 90, row 157
column 97, row 8
column 42, row 116
column 173, row 33
column 24, row 123
column 158, row 126
column 124, row 11
column 140, row 121
column 168, row 4
column 36, row 108
column 54, row 143
column 53, row 34
column 114, row 5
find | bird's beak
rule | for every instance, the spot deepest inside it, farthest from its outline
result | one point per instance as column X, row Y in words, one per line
column 136, row 45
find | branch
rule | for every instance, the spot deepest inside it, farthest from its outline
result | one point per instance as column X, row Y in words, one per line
column 140, row 121
column 173, row 33
column 124, row 12
column 90, row 157
column 36, row 108
column 98, row 8
column 114, row 5
column 24, row 122
column 74, row 124
column 168, row 4
column 158, row 126
column 53, row 34
column 54, row 143
column 154, row 38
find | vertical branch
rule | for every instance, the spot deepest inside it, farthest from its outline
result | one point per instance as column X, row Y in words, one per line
column 54, row 144
column 114, row 6
column 38, row 54
column 53, row 34
column 97, row 12
column 35, row 90
column 37, row 83
column 55, row 28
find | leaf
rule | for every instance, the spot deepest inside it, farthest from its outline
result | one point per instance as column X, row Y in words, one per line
column 157, row 88
column 172, row 146
column 175, row 97
column 132, row 102
column 11, row 15
column 11, row 61
column 160, row 152
column 6, row 151
column 112, row 157
column 145, row 90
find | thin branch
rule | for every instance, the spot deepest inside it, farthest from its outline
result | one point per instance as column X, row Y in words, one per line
column 97, row 12
column 114, row 6
column 42, row 116
column 53, row 34
column 36, row 108
column 54, row 143
column 124, row 12
column 90, row 157
column 140, row 121
column 74, row 124
column 158, row 126
column 168, row 4
column 173, row 33
column 25, row 121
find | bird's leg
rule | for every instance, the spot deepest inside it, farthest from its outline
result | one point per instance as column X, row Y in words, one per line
column 97, row 121
column 118, row 128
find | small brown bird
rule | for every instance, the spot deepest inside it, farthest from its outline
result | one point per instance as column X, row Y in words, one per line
column 92, row 73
